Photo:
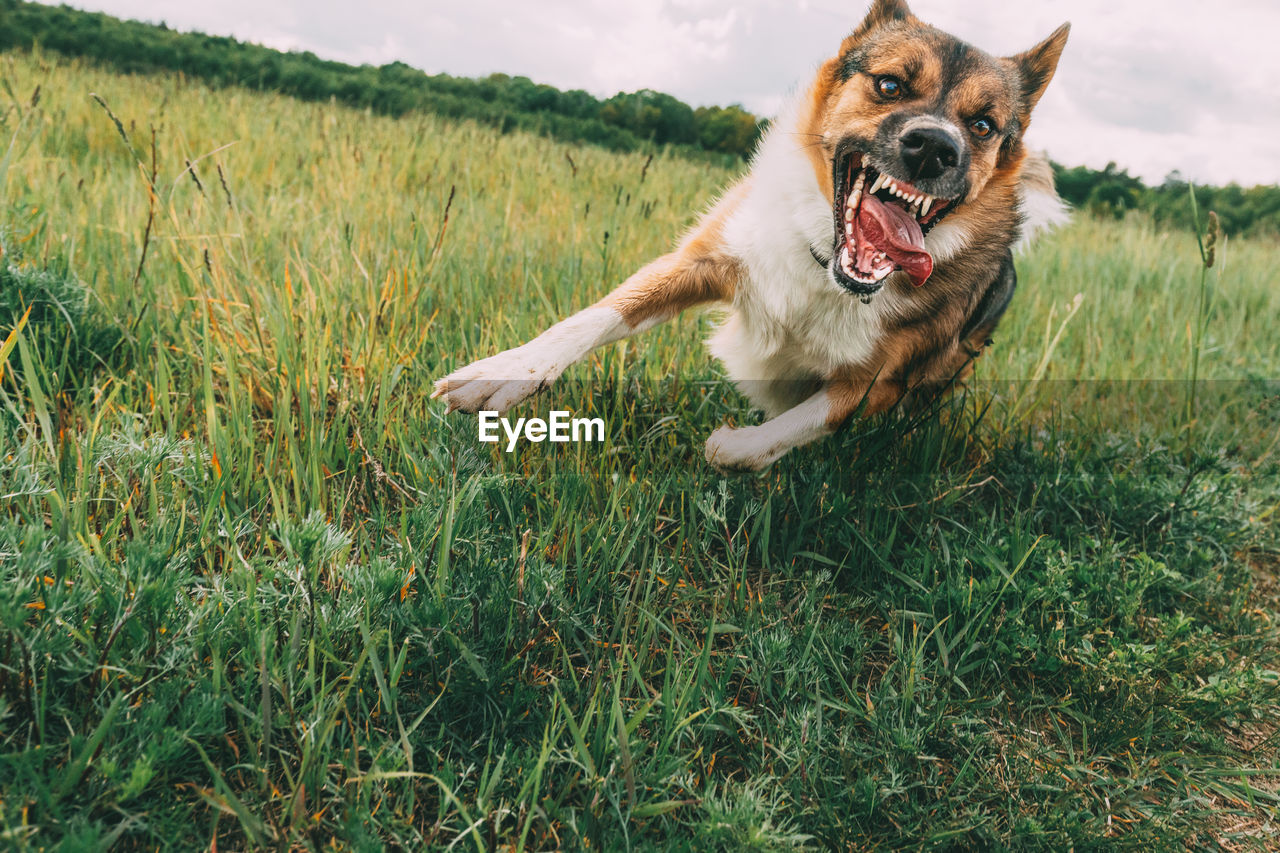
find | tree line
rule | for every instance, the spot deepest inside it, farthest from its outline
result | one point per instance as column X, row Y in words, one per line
column 1252, row 211
column 627, row 121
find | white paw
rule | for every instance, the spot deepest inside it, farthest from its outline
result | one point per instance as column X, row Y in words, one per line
column 738, row 449
column 497, row 383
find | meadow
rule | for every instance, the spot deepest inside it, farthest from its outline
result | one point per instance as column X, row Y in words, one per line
column 258, row 591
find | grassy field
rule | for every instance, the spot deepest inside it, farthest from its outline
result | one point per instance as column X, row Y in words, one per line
column 257, row 591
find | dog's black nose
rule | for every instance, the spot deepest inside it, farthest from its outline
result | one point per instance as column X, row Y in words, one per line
column 928, row 152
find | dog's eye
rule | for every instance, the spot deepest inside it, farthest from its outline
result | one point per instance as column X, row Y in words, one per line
column 981, row 127
column 889, row 87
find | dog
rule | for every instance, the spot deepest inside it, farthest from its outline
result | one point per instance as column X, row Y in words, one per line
column 865, row 257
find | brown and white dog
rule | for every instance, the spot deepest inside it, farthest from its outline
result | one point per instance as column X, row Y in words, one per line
column 865, row 257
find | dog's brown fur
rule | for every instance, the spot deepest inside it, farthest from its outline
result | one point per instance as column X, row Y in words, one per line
column 699, row 271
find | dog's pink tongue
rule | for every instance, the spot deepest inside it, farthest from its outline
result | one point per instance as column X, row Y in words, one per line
column 895, row 232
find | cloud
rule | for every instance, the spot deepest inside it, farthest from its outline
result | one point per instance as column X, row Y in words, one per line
column 1152, row 84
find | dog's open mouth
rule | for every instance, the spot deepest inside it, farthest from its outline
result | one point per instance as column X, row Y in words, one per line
column 880, row 226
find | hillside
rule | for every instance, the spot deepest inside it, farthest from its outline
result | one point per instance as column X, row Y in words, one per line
column 628, row 121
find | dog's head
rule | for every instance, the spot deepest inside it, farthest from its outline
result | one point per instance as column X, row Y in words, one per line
column 917, row 128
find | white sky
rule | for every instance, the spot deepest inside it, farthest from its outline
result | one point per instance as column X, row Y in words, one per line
column 1154, row 85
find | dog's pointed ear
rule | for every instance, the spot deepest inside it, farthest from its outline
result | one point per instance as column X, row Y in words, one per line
column 883, row 12
column 1036, row 66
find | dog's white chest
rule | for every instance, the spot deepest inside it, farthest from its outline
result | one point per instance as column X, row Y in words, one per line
column 789, row 318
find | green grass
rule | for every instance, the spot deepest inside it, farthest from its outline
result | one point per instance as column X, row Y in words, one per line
column 256, row 589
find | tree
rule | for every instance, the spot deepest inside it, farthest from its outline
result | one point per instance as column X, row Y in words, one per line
column 731, row 129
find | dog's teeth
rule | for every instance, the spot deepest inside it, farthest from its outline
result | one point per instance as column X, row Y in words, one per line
column 893, row 187
column 848, row 229
column 928, row 203
column 879, row 182
column 848, row 213
column 846, row 262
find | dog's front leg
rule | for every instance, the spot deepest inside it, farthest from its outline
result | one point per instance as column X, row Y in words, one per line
column 501, row 381
column 699, row 271
column 755, row 448
column 653, row 295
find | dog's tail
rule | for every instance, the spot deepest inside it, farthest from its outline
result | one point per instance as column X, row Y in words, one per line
column 1042, row 208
